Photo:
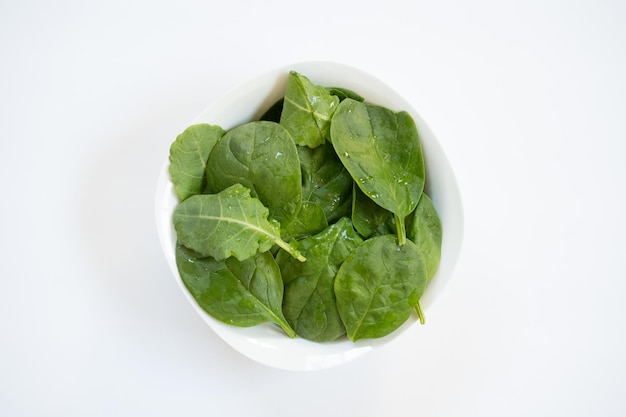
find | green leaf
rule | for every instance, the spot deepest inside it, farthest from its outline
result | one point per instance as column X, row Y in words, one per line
column 261, row 156
column 309, row 301
column 369, row 218
column 382, row 151
column 344, row 93
column 240, row 293
column 188, row 158
column 307, row 111
column 378, row 286
column 325, row 180
column 230, row 223
column 424, row 228
column 308, row 221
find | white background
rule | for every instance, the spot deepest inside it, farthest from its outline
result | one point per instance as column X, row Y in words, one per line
column 528, row 99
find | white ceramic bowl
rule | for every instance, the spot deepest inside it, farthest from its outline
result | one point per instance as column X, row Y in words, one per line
column 265, row 343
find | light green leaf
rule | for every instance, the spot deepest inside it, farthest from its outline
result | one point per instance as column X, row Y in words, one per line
column 230, row 223
column 344, row 93
column 188, row 158
column 307, row 111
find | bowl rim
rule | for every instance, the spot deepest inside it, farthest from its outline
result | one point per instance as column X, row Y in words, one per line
column 265, row 344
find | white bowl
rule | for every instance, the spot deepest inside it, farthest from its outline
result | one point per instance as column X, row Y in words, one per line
column 265, row 343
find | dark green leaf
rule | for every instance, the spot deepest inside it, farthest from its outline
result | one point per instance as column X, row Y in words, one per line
column 325, row 180
column 369, row 218
column 381, row 150
column 262, row 157
column 378, row 286
column 273, row 113
column 424, row 228
column 241, row 293
column 309, row 302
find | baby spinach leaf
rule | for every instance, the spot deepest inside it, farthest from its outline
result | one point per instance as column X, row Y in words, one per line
column 307, row 111
column 261, row 156
column 309, row 220
column 424, row 228
column 230, row 223
column 344, row 93
column 378, row 286
column 188, row 158
column 381, row 150
column 309, row 301
column 369, row 218
column 325, row 180
column 241, row 293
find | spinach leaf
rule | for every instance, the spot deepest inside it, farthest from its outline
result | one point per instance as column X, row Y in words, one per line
column 261, row 156
column 381, row 150
column 241, row 293
column 424, row 228
column 378, row 286
column 188, row 158
column 230, row 223
column 309, row 220
column 307, row 111
column 369, row 218
column 344, row 93
column 309, row 301
column 325, row 180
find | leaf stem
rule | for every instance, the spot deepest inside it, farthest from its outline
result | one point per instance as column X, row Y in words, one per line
column 287, row 328
column 290, row 249
column 420, row 314
column 401, row 230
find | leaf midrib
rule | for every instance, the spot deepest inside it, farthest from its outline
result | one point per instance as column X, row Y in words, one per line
column 230, row 220
column 309, row 110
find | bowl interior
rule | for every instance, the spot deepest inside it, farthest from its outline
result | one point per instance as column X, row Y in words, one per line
column 265, row 343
